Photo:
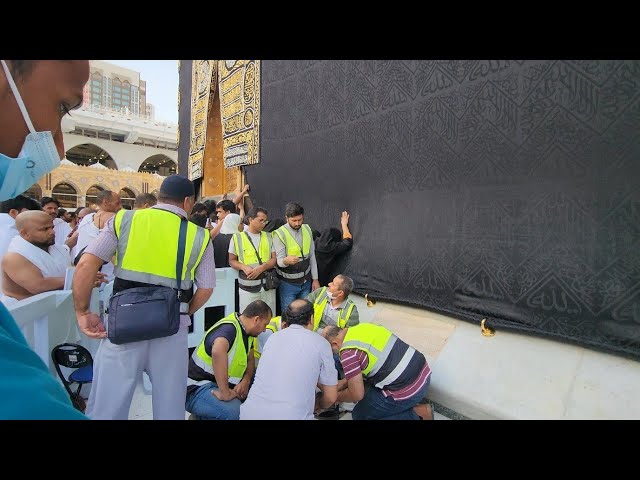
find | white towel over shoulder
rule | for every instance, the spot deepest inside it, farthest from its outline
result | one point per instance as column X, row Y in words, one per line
column 53, row 263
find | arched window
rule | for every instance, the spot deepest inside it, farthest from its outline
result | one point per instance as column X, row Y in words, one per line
column 160, row 164
column 96, row 88
column 88, row 154
column 127, row 197
column 92, row 193
column 66, row 195
column 35, row 192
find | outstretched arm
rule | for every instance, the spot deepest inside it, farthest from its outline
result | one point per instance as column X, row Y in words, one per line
column 344, row 223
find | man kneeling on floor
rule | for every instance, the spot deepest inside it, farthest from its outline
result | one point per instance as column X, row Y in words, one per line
column 222, row 367
column 386, row 376
column 295, row 360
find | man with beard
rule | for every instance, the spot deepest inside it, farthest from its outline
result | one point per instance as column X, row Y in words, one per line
column 61, row 229
column 296, row 260
column 33, row 263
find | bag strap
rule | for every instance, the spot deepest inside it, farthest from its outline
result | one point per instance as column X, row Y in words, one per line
column 182, row 240
column 254, row 247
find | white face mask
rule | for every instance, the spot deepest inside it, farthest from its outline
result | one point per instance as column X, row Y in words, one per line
column 39, row 154
column 331, row 297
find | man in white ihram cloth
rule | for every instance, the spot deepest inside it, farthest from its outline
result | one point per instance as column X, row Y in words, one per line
column 33, row 263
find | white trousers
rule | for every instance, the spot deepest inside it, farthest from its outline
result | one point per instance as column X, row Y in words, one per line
column 117, row 370
column 268, row 297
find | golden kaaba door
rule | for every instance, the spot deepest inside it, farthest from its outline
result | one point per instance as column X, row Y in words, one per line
column 216, row 179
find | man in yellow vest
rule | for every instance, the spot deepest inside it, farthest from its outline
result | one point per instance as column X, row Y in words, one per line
column 332, row 305
column 296, row 257
column 252, row 254
column 386, row 376
column 146, row 246
column 222, row 366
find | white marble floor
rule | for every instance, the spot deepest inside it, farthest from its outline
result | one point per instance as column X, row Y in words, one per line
column 141, row 407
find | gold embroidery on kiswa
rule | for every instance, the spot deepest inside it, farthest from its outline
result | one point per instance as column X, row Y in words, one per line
column 204, row 81
column 240, row 111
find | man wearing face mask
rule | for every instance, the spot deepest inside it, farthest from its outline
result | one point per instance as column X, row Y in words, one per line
column 34, row 96
column 148, row 255
column 332, row 305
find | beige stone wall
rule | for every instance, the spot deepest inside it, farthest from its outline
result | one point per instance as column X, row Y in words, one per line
column 82, row 178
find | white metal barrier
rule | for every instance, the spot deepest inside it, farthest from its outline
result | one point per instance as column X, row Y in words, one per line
column 223, row 296
column 48, row 319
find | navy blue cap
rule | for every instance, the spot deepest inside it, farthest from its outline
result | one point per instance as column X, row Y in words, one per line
column 178, row 187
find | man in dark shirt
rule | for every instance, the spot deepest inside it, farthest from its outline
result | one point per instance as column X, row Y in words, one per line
column 222, row 366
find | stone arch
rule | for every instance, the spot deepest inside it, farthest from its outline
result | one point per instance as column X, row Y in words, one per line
column 127, row 196
column 66, row 193
column 92, row 192
column 160, row 164
column 88, row 154
column 34, row 191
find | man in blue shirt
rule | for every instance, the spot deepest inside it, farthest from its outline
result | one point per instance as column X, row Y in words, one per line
column 34, row 97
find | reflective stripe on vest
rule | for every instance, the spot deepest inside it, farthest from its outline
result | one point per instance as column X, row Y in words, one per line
column 236, row 357
column 247, row 255
column 399, row 368
column 321, row 302
column 294, row 272
column 275, row 325
column 375, row 340
column 148, row 247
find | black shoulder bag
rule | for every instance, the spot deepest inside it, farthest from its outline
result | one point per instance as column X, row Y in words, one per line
column 270, row 280
column 144, row 313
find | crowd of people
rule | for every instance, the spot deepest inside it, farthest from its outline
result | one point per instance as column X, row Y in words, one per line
column 160, row 259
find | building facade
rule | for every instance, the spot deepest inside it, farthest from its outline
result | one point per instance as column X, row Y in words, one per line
column 117, row 88
column 111, row 143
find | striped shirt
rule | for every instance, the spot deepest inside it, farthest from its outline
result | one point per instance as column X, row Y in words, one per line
column 105, row 245
column 355, row 361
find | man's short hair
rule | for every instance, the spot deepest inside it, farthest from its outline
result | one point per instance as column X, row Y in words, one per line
column 258, row 308
column 253, row 213
column 103, row 196
column 227, row 206
column 293, row 209
column 145, row 198
column 346, row 285
column 46, row 200
column 61, row 212
column 198, row 208
column 200, row 220
column 19, row 203
column 210, row 205
column 331, row 333
column 299, row 312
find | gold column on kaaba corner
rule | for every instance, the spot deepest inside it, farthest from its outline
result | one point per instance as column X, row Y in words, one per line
column 225, row 120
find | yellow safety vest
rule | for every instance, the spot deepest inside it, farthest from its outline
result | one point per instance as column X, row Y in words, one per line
column 374, row 340
column 321, row 302
column 247, row 254
column 298, row 272
column 275, row 325
column 236, row 357
column 148, row 247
